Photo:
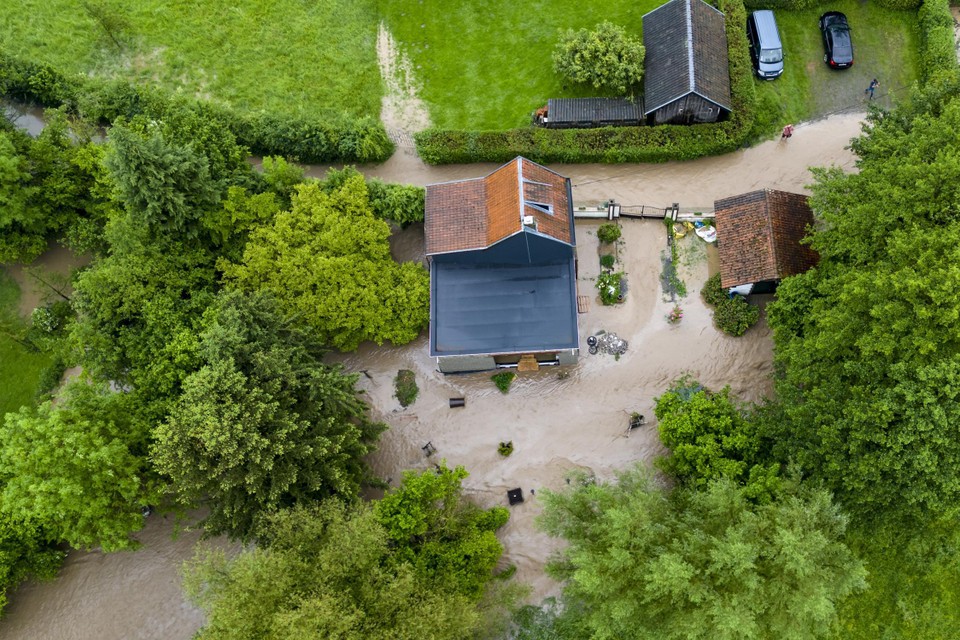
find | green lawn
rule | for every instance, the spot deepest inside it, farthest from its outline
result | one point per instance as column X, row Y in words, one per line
column 486, row 64
column 292, row 56
column 20, row 368
column 885, row 47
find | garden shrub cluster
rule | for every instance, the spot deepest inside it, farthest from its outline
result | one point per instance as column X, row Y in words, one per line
column 614, row 144
column 937, row 46
column 607, row 261
column 732, row 314
column 345, row 139
column 503, row 380
column 608, row 284
column 405, row 387
column 400, row 203
column 609, row 232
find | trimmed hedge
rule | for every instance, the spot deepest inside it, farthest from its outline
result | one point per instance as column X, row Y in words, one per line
column 614, row 144
column 937, row 47
column 341, row 140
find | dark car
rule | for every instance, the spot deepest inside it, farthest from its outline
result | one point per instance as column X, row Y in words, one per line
column 837, row 45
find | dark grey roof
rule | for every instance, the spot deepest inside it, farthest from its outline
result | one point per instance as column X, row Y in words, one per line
column 686, row 45
column 490, row 309
column 593, row 112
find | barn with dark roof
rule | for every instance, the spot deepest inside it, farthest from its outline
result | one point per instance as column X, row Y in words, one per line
column 759, row 238
column 502, row 270
column 687, row 76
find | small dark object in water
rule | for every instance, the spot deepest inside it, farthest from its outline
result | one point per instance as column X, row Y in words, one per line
column 515, row 496
column 429, row 449
column 457, row 402
column 592, row 341
column 593, row 349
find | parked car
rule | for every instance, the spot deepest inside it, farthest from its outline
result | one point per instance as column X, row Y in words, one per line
column 765, row 48
column 837, row 44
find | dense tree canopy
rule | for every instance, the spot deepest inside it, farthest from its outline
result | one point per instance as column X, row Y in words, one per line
column 25, row 552
column 79, row 467
column 709, row 437
column 262, row 424
column 683, row 565
column 869, row 342
column 328, row 262
column 337, row 572
column 605, row 58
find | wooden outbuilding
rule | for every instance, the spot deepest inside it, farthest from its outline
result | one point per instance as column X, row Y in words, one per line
column 687, row 76
column 585, row 113
column 759, row 238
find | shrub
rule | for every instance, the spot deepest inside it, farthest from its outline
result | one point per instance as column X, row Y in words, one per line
column 607, row 261
column 605, row 58
column 937, row 45
column 675, row 315
column 713, row 294
column 505, row 448
column 608, row 284
column 103, row 101
column 405, row 387
column 503, row 380
column 608, row 233
column 734, row 316
column 401, row 203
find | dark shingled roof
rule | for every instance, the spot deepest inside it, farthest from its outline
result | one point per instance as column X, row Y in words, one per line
column 686, row 45
column 474, row 214
column 759, row 234
column 594, row 112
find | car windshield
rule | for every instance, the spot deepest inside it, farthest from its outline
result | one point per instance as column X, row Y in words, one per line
column 771, row 55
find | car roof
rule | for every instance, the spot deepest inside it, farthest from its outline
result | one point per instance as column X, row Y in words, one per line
column 767, row 29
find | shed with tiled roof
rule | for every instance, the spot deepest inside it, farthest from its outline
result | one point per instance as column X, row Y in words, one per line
column 686, row 71
column 759, row 238
column 502, row 269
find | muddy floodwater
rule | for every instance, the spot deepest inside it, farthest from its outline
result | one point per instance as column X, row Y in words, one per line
column 557, row 424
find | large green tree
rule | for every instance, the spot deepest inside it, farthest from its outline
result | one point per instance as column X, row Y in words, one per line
column 644, row 563
column 351, row 572
column 263, row 423
column 78, row 466
column 869, row 342
column 605, row 58
column 328, row 262
column 710, row 437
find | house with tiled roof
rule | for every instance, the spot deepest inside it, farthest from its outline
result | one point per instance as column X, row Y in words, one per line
column 502, row 261
column 686, row 70
column 759, row 239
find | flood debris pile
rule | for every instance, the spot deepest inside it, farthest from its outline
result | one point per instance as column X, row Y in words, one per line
column 609, row 343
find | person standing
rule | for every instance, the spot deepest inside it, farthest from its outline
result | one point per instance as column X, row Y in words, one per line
column 869, row 90
column 787, row 132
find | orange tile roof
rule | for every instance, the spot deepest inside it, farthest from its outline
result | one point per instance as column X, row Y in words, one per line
column 759, row 234
column 477, row 213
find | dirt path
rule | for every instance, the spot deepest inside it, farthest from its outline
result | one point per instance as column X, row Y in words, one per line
column 402, row 112
column 556, row 425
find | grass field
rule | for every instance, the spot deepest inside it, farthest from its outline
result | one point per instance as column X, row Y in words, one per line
column 20, row 368
column 885, row 47
column 292, row 56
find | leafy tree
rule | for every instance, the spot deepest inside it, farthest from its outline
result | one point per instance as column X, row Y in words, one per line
column 605, row 58
column 709, row 438
column 449, row 540
column 324, row 572
column 165, row 186
column 79, row 466
column 263, row 424
column 230, row 224
column 868, row 342
column 328, row 262
column 399, row 203
column 700, row 564
column 282, row 178
column 25, row 552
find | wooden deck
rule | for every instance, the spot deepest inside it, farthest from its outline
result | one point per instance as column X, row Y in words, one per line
column 583, row 304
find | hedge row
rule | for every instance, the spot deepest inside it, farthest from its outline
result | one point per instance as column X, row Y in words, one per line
column 312, row 141
column 810, row 4
column 614, row 144
column 937, row 46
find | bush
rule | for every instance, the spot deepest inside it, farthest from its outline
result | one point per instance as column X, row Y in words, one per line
column 713, row 294
column 505, row 448
column 400, row 203
column 608, row 233
column 607, row 261
column 503, row 380
column 605, row 58
column 937, row 44
column 615, row 144
column 608, row 284
column 103, row 101
column 734, row 316
column 405, row 387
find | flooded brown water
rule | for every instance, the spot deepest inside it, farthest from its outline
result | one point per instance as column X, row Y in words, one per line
column 40, row 280
column 557, row 425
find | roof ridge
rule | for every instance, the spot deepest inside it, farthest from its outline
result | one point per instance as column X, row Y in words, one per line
column 690, row 68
